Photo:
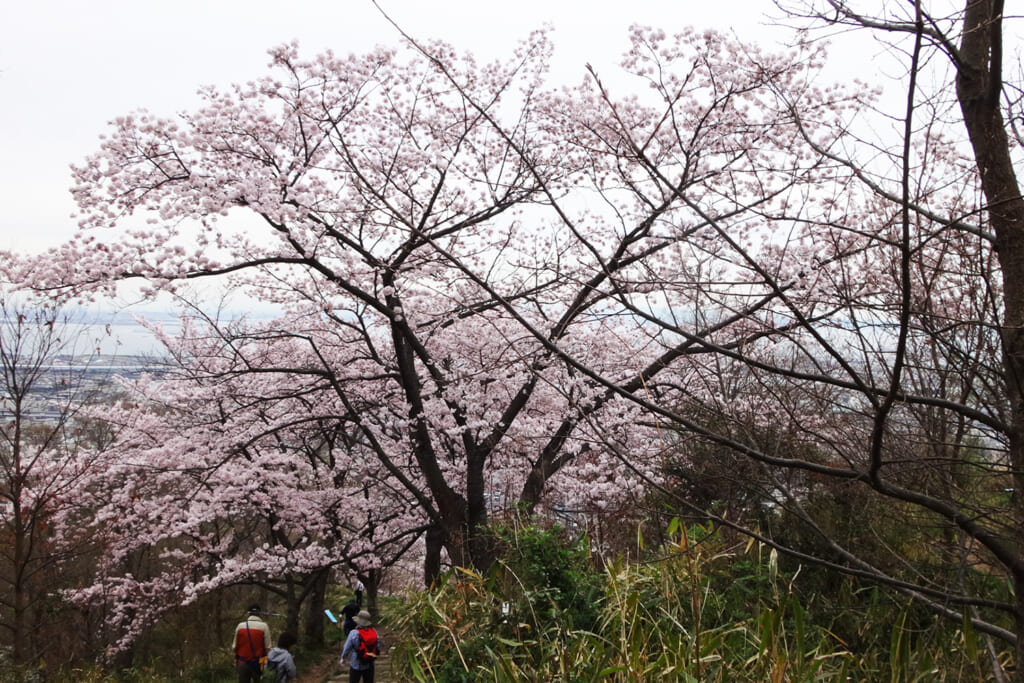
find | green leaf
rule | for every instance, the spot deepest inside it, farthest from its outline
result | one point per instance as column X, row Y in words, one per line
column 970, row 638
column 610, row 670
column 673, row 527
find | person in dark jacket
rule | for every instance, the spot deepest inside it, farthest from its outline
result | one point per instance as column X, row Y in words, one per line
column 349, row 611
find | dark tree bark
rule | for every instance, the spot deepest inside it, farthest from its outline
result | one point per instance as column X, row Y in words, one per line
column 979, row 89
column 314, row 630
column 432, row 556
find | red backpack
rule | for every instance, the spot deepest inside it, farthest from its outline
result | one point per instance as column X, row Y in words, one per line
column 368, row 648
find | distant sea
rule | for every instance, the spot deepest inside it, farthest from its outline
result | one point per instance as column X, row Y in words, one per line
column 117, row 333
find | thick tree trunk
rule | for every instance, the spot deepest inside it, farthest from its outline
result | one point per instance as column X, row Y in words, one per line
column 468, row 543
column 979, row 90
column 371, row 580
column 478, row 543
column 314, row 631
column 293, row 611
column 432, row 556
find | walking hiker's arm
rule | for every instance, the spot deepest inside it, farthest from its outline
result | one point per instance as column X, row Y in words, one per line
column 346, row 650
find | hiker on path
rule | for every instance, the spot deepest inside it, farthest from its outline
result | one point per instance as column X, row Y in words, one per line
column 280, row 660
column 349, row 612
column 252, row 641
column 361, row 649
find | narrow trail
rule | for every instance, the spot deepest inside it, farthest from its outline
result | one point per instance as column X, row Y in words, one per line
column 330, row 671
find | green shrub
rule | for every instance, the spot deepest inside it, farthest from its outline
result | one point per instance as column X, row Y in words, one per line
column 694, row 611
column 548, row 570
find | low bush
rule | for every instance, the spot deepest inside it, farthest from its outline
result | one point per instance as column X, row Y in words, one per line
column 694, row 611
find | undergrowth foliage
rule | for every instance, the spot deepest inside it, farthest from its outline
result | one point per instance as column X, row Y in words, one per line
column 698, row 609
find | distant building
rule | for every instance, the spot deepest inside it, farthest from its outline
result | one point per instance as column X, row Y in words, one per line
column 72, row 380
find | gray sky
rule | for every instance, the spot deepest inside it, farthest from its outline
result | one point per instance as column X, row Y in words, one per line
column 69, row 66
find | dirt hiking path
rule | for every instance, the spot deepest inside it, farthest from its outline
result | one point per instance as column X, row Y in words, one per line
column 330, row 671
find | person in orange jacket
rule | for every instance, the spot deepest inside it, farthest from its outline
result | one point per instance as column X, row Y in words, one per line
column 252, row 644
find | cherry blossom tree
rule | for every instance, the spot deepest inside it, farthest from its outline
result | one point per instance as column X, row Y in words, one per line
column 220, row 478
column 366, row 174
column 266, row 454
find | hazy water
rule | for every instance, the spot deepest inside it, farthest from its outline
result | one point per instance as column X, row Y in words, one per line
column 118, row 334
column 121, row 334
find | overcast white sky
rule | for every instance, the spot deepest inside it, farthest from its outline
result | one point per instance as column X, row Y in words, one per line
column 69, row 66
